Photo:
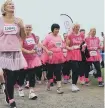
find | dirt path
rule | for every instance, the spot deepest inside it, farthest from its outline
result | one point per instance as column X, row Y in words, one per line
column 88, row 97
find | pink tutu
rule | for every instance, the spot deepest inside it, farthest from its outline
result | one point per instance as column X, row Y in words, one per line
column 12, row 60
column 69, row 55
column 95, row 58
column 76, row 55
column 23, row 62
column 32, row 63
column 44, row 58
column 56, row 58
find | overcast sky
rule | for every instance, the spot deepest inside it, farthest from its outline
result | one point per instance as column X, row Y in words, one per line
column 42, row 13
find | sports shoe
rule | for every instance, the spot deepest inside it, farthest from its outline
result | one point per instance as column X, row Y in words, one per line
column 21, row 93
column 77, row 88
column 32, row 95
column 60, row 91
column 101, row 84
column 13, row 105
column 74, row 88
column 27, row 86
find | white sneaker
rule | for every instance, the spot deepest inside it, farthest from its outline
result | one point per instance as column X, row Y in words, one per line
column 32, row 95
column 21, row 93
column 60, row 91
column 77, row 88
column 74, row 88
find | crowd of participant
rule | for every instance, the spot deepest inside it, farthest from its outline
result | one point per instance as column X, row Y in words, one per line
column 26, row 60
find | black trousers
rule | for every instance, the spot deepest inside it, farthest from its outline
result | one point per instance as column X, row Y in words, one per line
column 75, row 66
column 30, row 74
column 10, row 80
column 97, row 67
column 66, row 67
column 102, row 64
column 83, row 68
column 54, row 69
column 38, row 71
column 44, row 67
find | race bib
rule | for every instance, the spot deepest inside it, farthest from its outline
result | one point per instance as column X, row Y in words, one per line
column 93, row 53
column 76, row 46
column 30, row 41
column 10, row 29
column 59, row 44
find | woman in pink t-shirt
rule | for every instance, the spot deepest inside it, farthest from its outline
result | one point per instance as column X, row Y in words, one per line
column 53, row 46
column 32, row 58
column 93, row 45
column 74, row 41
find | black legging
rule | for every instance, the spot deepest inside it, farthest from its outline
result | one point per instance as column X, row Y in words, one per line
column 83, row 67
column 97, row 67
column 44, row 67
column 10, row 80
column 66, row 68
column 54, row 69
column 31, row 77
column 75, row 66
column 38, row 71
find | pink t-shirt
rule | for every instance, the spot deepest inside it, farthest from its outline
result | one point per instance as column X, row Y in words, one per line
column 9, row 36
column 53, row 43
column 29, row 44
column 75, row 41
column 93, row 45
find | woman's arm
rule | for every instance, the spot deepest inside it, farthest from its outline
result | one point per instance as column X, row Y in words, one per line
column 22, row 28
column 22, row 33
column 68, row 44
column 44, row 48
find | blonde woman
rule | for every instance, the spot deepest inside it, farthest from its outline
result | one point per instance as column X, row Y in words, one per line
column 93, row 45
column 73, row 42
column 11, row 58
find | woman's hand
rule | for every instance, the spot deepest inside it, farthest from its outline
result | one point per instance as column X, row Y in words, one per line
column 19, row 22
column 49, row 53
column 31, row 52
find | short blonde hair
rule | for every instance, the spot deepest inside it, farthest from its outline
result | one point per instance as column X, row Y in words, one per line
column 75, row 25
column 91, row 30
column 3, row 7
